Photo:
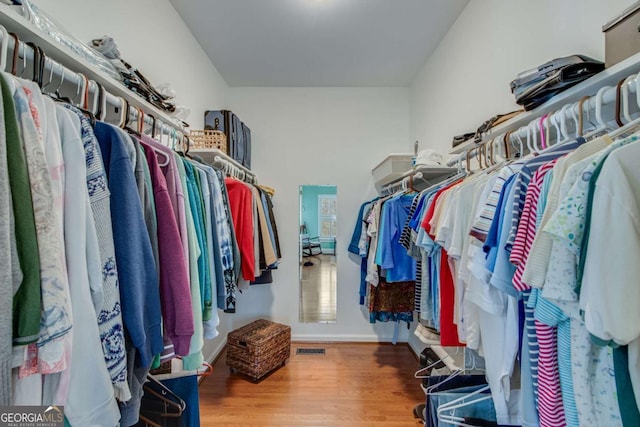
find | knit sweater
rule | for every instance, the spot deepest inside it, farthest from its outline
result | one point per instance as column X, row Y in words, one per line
column 139, row 293
column 27, row 298
column 110, row 314
column 87, row 365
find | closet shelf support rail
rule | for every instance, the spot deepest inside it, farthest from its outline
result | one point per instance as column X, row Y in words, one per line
column 592, row 110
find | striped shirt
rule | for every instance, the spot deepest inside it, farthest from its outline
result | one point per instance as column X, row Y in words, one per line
column 524, row 178
column 526, row 233
column 550, row 404
column 547, row 315
column 412, row 250
column 484, row 219
column 527, row 227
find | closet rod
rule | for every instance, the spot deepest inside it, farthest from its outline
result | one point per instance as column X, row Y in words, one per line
column 606, row 97
column 224, row 163
column 56, row 76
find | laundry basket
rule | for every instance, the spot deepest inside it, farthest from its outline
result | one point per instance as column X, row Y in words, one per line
column 258, row 348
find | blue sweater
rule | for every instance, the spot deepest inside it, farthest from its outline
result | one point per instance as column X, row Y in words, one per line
column 137, row 274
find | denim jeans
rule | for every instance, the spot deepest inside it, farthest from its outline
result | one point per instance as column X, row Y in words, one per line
column 446, row 384
column 483, row 409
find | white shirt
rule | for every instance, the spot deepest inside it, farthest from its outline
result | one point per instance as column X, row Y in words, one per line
column 610, row 291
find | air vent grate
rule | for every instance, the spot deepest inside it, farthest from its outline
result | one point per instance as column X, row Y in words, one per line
column 319, row 351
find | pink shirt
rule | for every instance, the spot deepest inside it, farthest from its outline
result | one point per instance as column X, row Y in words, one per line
column 550, row 406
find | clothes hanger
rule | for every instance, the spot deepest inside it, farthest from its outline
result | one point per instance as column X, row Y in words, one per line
column 506, row 154
column 637, row 81
column 556, row 124
column 79, row 93
column 56, row 93
column 38, row 55
column 24, row 59
column 485, row 153
column 571, row 109
column 469, row 171
column 430, row 390
column 580, row 129
column 140, row 120
column 632, row 126
column 543, row 142
column 102, row 103
column 461, row 402
column 563, row 124
column 124, row 116
column 602, row 126
column 4, row 48
column 419, row 372
column 530, row 142
column 619, row 103
column 153, row 125
column 50, row 80
column 625, row 98
column 171, row 400
column 16, row 49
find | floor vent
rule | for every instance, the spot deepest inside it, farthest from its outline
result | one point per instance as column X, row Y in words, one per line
column 310, row 351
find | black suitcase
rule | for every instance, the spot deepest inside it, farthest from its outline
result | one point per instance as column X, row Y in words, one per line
column 246, row 134
column 238, row 134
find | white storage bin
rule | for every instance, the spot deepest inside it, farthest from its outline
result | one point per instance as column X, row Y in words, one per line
column 393, row 167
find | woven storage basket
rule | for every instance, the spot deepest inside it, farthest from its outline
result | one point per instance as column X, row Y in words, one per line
column 209, row 139
column 258, row 348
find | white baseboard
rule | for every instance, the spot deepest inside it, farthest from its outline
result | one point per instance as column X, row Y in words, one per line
column 341, row 338
column 416, row 345
column 210, row 358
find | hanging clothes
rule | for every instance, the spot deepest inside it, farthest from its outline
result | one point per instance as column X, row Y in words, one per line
column 113, row 226
column 241, row 206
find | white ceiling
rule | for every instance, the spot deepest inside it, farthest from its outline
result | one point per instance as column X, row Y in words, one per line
column 319, row 42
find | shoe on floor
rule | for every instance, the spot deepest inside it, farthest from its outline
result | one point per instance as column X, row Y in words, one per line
column 419, row 411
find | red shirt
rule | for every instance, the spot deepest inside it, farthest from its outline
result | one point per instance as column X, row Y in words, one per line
column 241, row 205
column 432, row 207
column 448, row 329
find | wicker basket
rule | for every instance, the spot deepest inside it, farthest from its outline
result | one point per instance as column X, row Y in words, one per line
column 208, row 139
column 258, row 348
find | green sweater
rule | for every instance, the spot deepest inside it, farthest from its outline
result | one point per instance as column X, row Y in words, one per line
column 27, row 300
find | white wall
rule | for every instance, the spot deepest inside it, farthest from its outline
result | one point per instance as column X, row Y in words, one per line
column 163, row 49
column 319, row 136
column 159, row 44
column 466, row 80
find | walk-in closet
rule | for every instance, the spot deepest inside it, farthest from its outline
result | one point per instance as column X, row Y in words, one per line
column 319, row 213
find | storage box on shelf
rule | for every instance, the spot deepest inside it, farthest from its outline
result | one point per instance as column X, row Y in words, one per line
column 392, row 168
column 208, row 140
column 622, row 35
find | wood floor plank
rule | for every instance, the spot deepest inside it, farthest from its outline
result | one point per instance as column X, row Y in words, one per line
column 352, row 385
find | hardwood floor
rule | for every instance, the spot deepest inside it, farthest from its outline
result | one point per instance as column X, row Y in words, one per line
column 318, row 290
column 353, row 385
